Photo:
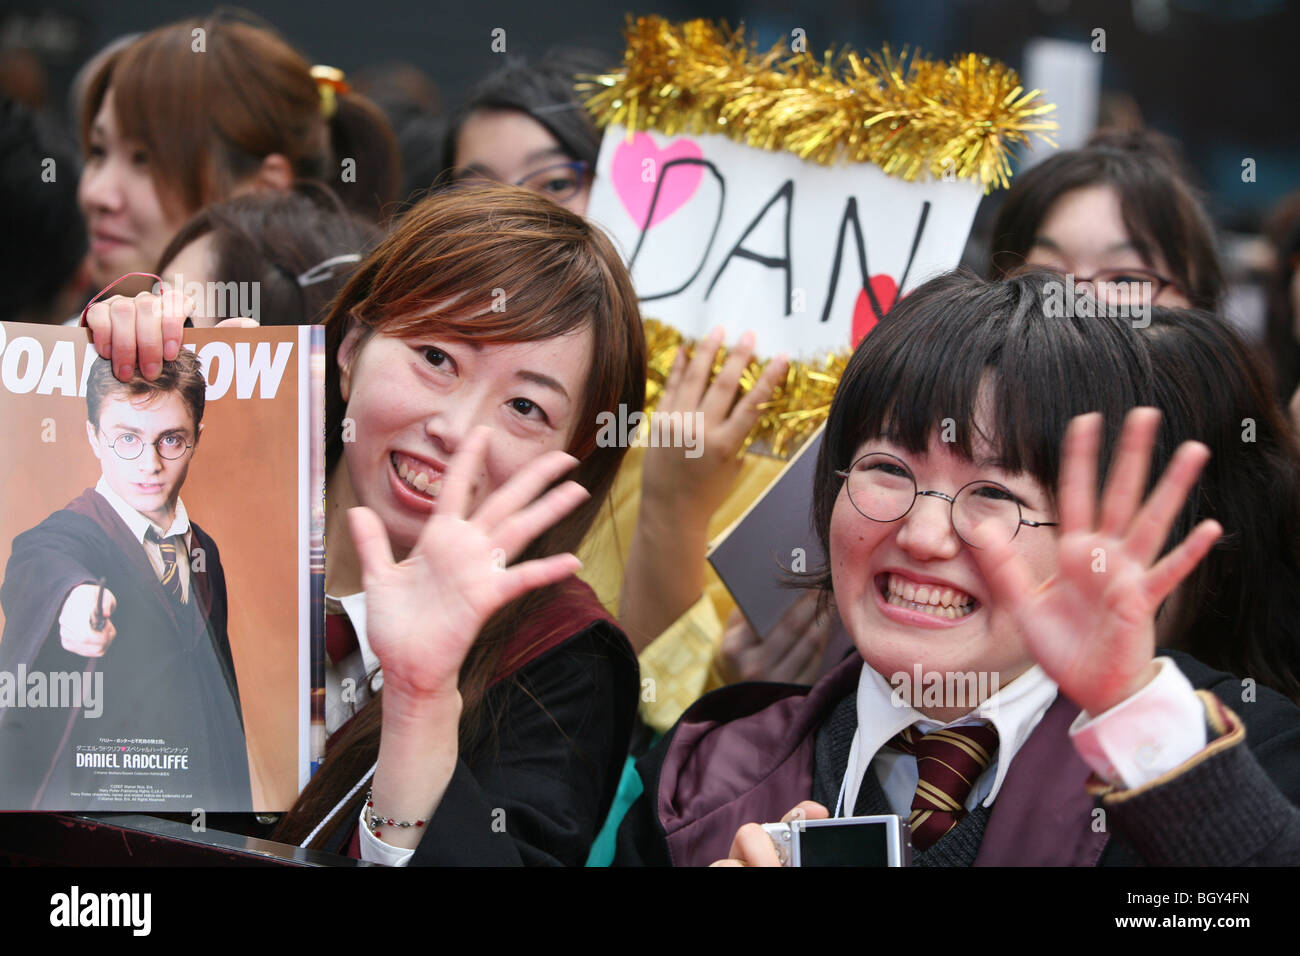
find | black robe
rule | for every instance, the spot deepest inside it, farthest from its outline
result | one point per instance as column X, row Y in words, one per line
column 167, row 675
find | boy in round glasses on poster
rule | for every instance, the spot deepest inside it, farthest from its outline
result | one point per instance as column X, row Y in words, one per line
column 123, row 590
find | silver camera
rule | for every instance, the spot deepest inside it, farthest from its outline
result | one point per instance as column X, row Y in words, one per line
column 847, row 841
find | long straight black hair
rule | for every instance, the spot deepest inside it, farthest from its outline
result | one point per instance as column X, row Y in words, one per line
column 1240, row 609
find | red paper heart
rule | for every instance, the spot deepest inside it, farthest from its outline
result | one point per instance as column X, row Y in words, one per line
column 864, row 317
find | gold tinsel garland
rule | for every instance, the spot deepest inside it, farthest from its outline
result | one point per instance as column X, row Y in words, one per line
column 909, row 115
column 798, row 405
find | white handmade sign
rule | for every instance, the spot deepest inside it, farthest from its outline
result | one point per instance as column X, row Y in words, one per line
column 809, row 257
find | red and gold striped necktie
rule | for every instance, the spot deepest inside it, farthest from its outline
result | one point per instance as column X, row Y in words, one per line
column 948, row 762
column 171, row 574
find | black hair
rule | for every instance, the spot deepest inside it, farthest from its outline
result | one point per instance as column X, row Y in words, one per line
column 959, row 340
column 1280, row 333
column 1240, row 608
column 274, row 239
column 1160, row 209
column 38, row 176
column 543, row 90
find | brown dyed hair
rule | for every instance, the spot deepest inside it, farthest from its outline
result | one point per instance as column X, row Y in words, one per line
column 559, row 274
column 181, row 375
column 209, row 118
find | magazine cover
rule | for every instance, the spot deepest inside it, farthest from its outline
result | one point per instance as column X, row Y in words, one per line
column 156, row 612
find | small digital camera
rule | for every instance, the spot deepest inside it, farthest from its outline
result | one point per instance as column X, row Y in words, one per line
column 847, row 841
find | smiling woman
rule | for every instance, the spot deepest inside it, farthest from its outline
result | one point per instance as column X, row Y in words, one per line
column 467, row 372
column 168, row 127
column 992, row 527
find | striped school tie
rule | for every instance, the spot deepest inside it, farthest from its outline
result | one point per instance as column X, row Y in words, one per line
column 171, row 575
column 948, row 762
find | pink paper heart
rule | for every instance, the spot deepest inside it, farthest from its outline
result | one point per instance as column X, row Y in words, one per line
column 864, row 317
column 630, row 171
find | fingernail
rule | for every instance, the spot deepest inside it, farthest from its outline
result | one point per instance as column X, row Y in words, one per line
column 123, row 371
column 151, row 370
column 747, row 340
column 171, row 349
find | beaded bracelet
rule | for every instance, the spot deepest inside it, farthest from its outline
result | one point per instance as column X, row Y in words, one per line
column 372, row 822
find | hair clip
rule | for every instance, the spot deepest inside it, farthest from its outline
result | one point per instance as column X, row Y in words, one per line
column 330, row 81
column 324, row 270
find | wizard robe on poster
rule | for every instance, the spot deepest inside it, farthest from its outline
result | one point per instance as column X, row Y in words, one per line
column 168, row 675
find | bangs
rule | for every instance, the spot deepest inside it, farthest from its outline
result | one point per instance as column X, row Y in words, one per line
column 156, row 92
column 509, row 281
column 498, row 265
column 988, row 367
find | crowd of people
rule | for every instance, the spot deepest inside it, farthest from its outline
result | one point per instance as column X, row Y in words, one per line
column 1161, row 685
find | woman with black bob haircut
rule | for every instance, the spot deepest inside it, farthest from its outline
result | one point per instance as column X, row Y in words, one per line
column 1118, row 210
column 1240, row 609
column 998, row 556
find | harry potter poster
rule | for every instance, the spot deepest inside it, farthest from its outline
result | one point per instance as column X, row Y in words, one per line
column 156, row 600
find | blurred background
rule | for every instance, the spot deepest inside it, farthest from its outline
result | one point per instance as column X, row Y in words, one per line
column 1219, row 77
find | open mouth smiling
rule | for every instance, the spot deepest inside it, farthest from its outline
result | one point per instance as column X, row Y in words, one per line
column 419, row 476
column 938, row 601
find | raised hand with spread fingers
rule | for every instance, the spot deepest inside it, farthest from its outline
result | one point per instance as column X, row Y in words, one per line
column 1091, row 625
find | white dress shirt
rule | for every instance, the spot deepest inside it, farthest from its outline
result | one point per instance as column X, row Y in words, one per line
column 139, row 525
column 355, row 667
column 1136, row 741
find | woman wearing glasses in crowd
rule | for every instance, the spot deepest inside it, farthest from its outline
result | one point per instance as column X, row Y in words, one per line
column 168, row 128
column 957, row 496
column 508, row 694
column 1118, row 215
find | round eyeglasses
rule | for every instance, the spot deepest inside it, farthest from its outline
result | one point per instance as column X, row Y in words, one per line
column 1127, row 286
column 882, row 488
column 129, row 446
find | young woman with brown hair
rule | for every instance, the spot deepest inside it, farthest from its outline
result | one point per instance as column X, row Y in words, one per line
column 198, row 111
column 508, row 693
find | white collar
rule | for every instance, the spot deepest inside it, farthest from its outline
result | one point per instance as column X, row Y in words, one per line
column 137, row 522
column 1014, row 711
column 354, row 605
